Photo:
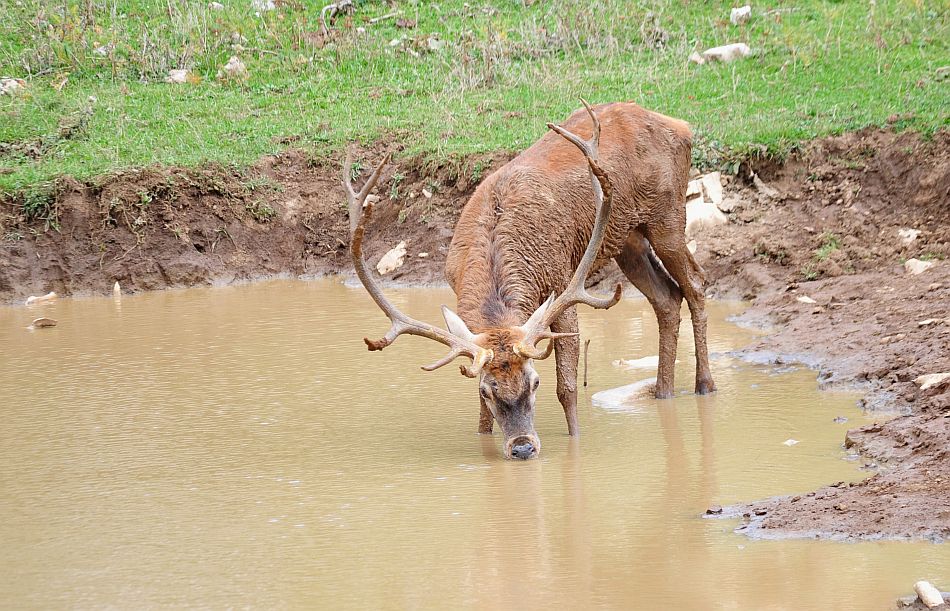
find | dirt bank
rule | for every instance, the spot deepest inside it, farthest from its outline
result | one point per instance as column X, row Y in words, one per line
column 826, row 226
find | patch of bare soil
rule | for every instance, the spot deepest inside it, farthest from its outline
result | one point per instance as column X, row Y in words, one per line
column 825, row 225
column 836, row 219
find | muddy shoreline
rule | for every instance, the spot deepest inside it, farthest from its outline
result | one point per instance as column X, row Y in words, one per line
column 825, row 228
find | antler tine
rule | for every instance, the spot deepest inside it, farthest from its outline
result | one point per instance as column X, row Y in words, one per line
column 575, row 292
column 357, row 200
column 360, row 212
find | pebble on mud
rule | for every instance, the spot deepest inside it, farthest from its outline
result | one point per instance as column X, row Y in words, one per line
column 916, row 266
column 715, row 510
column 47, row 298
column 928, row 594
column 932, row 380
column 392, row 260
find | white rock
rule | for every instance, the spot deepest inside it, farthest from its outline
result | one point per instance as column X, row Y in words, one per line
column 233, row 70
column 12, row 86
column 805, row 299
column 928, row 594
column 928, row 322
column 392, row 260
column 216, row 6
column 691, row 247
column 727, row 53
column 434, row 43
column 621, row 399
column 178, row 76
column 361, row 30
column 790, row 442
column 728, row 203
column 426, row 193
column 423, row 255
column 47, row 298
column 700, row 215
column 116, row 289
column 696, row 58
column 762, row 187
column 263, row 5
column 916, row 266
column 740, row 15
column 932, row 380
column 712, row 187
column 908, row 236
column 694, row 188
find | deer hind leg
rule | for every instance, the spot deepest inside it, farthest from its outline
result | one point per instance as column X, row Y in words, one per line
column 643, row 270
column 669, row 243
column 566, row 351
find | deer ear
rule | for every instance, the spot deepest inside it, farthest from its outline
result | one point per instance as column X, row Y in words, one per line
column 456, row 325
column 538, row 315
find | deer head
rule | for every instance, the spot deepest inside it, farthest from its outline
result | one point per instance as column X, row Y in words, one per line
column 501, row 358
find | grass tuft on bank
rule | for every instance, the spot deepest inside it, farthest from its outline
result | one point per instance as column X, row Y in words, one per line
column 445, row 79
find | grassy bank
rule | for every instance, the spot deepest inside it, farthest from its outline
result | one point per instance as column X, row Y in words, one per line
column 446, row 78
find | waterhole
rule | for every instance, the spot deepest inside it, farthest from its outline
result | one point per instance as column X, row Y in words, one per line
column 240, row 447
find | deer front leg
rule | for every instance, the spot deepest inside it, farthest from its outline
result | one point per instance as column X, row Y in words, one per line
column 566, row 351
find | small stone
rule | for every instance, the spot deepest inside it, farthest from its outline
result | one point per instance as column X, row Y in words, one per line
column 423, row 255
column 841, row 506
column 764, row 188
column 177, row 76
column 934, row 286
column 929, row 322
column 392, row 260
column 907, row 236
column 12, row 86
column 47, row 298
column 928, row 594
column 727, row 53
column 42, row 323
column 712, row 187
column 740, row 15
column 234, row 70
column 216, row 6
column 805, row 299
column 426, row 193
column 916, row 266
column 714, row 510
column 760, row 512
column 840, row 420
column 790, row 442
column 932, row 380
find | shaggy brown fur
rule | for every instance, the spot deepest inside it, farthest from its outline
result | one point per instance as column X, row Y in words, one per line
column 524, row 230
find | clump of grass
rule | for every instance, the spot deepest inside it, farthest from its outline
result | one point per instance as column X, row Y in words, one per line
column 829, row 244
column 260, row 210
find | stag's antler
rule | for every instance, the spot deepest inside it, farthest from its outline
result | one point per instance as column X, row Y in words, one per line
column 460, row 345
column 536, row 329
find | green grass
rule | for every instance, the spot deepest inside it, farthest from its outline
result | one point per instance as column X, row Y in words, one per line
column 503, row 69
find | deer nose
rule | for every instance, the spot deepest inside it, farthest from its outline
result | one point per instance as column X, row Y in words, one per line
column 523, row 451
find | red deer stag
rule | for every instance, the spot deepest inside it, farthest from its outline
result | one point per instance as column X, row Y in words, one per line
column 533, row 230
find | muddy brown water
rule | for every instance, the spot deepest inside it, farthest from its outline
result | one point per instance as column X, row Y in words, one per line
column 240, row 447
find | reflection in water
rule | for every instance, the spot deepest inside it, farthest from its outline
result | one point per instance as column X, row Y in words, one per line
column 240, row 447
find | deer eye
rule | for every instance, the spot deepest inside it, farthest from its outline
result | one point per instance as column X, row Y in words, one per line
column 534, row 386
column 483, row 391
